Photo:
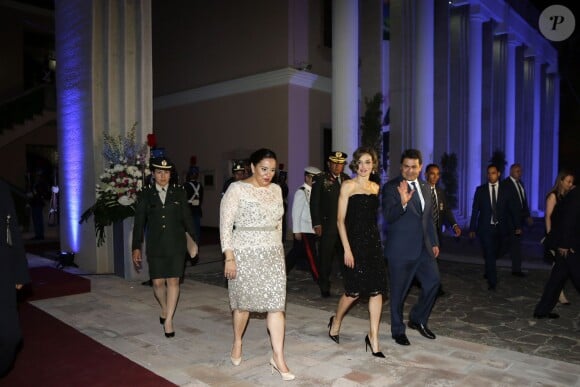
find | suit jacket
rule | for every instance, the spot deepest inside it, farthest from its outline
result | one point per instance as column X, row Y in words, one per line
column 565, row 231
column 13, row 263
column 324, row 201
column 446, row 216
column 507, row 210
column 511, row 188
column 409, row 229
column 164, row 225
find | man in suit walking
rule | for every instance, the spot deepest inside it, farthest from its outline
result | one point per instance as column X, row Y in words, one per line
column 515, row 187
column 411, row 246
column 493, row 214
column 563, row 238
column 442, row 213
column 323, row 211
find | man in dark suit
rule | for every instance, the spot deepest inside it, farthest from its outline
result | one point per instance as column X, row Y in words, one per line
column 442, row 213
column 411, row 246
column 515, row 187
column 13, row 274
column 494, row 213
column 565, row 239
column 323, row 210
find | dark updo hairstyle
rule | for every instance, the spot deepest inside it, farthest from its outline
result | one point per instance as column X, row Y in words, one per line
column 361, row 151
column 262, row 154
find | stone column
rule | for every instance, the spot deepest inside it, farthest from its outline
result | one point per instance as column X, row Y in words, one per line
column 536, row 201
column 424, row 82
column 510, row 100
column 473, row 172
column 345, row 114
column 104, row 85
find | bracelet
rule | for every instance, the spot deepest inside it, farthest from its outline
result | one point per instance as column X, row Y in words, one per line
column 230, row 260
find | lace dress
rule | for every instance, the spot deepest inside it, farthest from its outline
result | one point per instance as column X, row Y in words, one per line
column 369, row 275
column 251, row 226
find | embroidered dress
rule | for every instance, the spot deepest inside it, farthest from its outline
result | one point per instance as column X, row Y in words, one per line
column 251, row 226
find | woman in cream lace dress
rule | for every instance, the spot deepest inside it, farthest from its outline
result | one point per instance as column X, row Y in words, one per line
column 250, row 231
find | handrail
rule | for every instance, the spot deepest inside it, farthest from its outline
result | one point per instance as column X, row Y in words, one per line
column 18, row 109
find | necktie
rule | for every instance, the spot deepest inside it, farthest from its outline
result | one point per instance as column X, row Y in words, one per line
column 416, row 199
column 493, row 204
column 435, row 208
column 162, row 194
column 521, row 192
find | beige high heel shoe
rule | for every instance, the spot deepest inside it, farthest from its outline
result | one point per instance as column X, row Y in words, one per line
column 235, row 361
column 286, row 376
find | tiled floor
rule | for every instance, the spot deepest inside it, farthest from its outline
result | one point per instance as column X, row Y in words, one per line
column 484, row 339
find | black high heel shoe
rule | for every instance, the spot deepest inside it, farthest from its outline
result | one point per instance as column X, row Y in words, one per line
column 168, row 334
column 161, row 320
column 368, row 344
column 335, row 338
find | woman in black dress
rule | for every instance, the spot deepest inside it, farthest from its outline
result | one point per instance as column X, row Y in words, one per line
column 365, row 272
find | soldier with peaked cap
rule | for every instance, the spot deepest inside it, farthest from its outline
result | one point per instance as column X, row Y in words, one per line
column 323, row 210
column 162, row 217
column 238, row 173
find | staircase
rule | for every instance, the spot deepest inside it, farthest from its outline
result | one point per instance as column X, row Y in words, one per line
column 26, row 112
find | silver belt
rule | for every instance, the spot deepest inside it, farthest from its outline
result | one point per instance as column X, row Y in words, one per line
column 263, row 228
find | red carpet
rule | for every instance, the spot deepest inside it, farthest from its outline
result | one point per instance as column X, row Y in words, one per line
column 49, row 282
column 54, row 354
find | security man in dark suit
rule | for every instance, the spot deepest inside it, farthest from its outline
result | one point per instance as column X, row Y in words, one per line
column 323, row 211
column 411, row 246
column 442, row 213
column 13, row 274
column 493, row 215
column 163, row 214
column 514, row 186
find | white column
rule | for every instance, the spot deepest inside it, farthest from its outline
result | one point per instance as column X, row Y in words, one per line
column 510, row 108
column 345, row 114
column 424, row 85
column 474, row 163
column 535, row 167
column 104, row 85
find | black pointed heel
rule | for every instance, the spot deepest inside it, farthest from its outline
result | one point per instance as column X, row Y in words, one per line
column 336, row 338
column 161, row 320
column 368, row 344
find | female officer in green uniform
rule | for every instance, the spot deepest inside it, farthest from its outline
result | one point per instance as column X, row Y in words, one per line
column 162, row 213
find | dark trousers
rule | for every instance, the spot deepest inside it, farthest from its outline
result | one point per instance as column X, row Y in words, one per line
column 303, row 250
column 490, row 243
column 563, row 269
column 401, row 273
column 329, row 247
column 515, row 248
column 38, row 221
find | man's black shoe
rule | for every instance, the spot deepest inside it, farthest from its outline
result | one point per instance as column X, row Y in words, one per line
column 546, row 315
column 518, row 274
column 491, row 288
column 325, row 293
column 441, row 292
column 422, row 329
column 401, row 339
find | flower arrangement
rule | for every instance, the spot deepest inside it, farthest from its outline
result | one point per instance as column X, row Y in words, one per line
column 119, row 183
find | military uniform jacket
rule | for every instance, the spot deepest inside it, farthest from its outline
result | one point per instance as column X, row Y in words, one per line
column 163, row 225
column 324, row 201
